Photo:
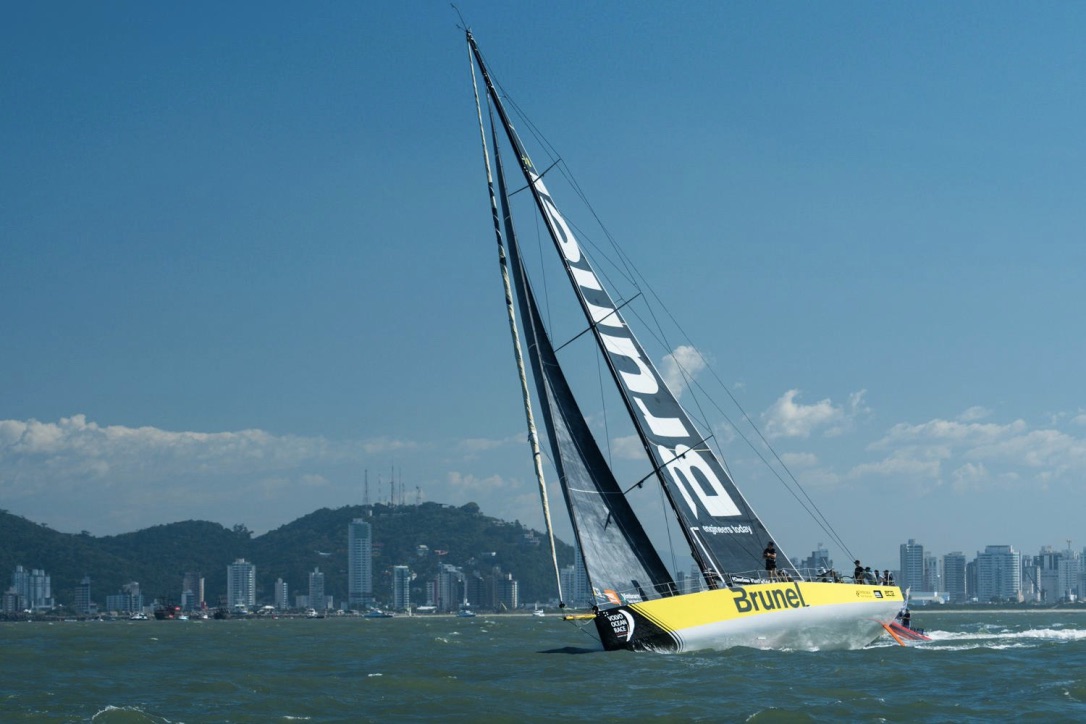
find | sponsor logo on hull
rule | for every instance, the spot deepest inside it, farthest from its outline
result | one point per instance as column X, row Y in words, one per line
column 768, row 599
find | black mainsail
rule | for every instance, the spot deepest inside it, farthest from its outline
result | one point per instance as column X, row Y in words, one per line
column 620, row 560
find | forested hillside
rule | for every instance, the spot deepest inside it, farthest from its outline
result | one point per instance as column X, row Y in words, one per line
column 418, row 536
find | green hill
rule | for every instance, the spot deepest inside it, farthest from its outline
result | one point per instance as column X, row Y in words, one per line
column 419, row 536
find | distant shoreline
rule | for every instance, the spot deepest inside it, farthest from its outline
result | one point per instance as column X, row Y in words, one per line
column 938, row 609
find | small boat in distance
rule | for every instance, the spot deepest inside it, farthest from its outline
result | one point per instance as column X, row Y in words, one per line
column 378, row 613
column 901, row 628
column 138, row 616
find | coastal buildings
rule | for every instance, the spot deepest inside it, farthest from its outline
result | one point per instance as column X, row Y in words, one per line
column 129, row 600
column 359, row 564
column 1055, row 575
column 448, row 591
column 32, row 590
column 401, row 588
column 819, row 560
column 954, row 577
column 999, row 576
column 241, row 585
column 911, row 572
column 84, row 604
column 282, row 595
column 316, row 591
column 507, row 593
column 192, row 591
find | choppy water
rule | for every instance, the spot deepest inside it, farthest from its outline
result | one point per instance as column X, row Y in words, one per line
column 980, row 667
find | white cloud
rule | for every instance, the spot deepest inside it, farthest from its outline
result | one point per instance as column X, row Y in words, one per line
column 681, row 366
column 628, row 448
column 948, row 432
column 799, row 460
column 462, row 481
column 978, row 455
column 908, row 463
column 383, row 445
column 474, row 445
column 75, row 473
column 974, row 413
column 789, row 418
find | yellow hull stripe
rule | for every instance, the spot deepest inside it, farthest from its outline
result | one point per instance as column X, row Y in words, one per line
column 676, row 613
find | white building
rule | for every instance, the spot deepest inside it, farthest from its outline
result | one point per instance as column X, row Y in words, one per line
column 401, row 588
column 912, row 566
column 282, row 595
column 999, row 574
column 316, row 590
column 241, row 585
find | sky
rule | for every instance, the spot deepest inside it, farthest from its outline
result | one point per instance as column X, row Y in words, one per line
column 248, row 269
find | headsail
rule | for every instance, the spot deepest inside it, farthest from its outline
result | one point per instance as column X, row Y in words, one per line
column 725, row 535
column 621, row 562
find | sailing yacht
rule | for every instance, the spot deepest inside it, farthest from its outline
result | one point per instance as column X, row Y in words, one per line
column 637, row 604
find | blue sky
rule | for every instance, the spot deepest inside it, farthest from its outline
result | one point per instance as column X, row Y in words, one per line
column 247, row 253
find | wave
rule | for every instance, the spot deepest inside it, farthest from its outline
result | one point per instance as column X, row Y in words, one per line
column 1002, row 638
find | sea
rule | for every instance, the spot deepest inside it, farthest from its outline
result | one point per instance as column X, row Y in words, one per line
column 981, row 666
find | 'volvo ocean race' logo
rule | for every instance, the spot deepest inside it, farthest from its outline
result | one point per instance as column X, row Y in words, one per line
column 622, row 624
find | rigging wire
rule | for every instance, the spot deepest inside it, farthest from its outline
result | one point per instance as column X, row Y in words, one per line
column 630, row 273
column 532, row 434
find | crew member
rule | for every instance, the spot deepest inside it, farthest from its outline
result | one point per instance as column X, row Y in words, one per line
column 770, row 556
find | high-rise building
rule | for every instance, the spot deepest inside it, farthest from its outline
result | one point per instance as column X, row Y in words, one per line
column 954, row 577
column 695, row 582
column 129, row 600
column 192, row 591
column 359, row 564
column 83, row 602
column 1070, row 572
column 241, row 584
column 999, row 574
column 581, row 594
column 449, row 591
column 818, row 561
column 316, row 590
column 508, row 592
column 565, row 576
column 401, row 588
column 33, row 588
column 912, row 566
column 932, row 580
column 282, row 598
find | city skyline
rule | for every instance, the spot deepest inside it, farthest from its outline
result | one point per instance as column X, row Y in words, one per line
column 998, row 571
column 248, row 263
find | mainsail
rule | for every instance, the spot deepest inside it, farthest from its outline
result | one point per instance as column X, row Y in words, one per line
column 726, row 537
column 620, row 560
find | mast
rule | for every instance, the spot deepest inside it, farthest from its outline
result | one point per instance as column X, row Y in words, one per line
column 533, row 437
